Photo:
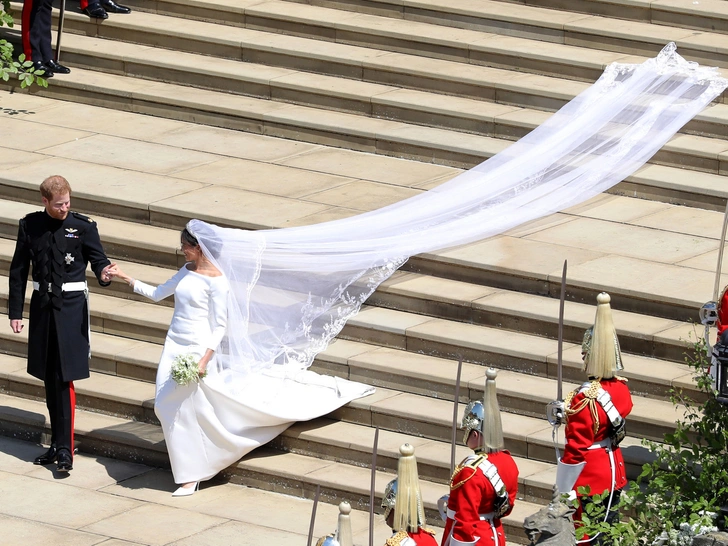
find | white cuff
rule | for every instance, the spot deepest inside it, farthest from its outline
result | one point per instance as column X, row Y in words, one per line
column 567, row 474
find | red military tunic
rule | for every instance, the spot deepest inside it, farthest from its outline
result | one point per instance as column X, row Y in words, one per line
column 581, row 436
column 722, row 322
column 472, row 495
column 423, row 537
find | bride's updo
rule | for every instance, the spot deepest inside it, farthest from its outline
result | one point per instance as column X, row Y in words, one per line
column 188, row 238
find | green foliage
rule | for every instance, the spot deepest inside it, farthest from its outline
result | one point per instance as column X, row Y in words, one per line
column 679, row 494
column 625, row 532
column 20, row 68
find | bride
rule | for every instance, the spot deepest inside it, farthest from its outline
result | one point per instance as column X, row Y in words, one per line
column 211, row 424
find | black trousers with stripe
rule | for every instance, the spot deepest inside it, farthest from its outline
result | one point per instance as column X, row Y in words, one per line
column 35, row 30
column 60, row 396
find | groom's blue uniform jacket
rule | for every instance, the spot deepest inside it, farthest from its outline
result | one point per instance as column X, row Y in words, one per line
column 59, row 251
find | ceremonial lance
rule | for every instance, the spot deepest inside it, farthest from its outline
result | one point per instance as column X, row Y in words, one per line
column 442, row 501
column 372, row 486
column 555, row 409
column 61, row 17
column 453, row 439
column 313, row 515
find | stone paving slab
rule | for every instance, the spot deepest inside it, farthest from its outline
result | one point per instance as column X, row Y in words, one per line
column 389, row 170
column 136, row 507
column 282, row 181
column 36, row 137
column 116, row 187
column 21, row 532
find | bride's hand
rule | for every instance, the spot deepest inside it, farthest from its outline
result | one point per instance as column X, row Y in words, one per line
column 202, row 367
column 202, row 364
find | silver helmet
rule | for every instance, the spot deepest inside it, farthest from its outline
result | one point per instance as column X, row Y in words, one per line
column 390, row 497
column 328, row 540
column 472, row 419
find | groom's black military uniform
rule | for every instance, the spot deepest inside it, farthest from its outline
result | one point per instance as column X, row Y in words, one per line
column 58, row 336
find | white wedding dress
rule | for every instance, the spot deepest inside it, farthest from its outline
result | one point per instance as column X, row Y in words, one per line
column 212, row 424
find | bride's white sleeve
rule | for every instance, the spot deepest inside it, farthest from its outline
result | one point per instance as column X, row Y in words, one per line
column 218, row 312
column 158, row 293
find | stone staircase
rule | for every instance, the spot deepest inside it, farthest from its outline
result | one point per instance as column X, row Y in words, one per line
column 444, row 83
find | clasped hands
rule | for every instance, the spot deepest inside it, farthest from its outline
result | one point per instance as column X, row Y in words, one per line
column 112, row 271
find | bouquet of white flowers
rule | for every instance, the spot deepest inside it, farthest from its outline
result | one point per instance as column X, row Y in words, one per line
column 185, row 370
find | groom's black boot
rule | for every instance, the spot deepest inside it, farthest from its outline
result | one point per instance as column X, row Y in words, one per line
column 49, row 457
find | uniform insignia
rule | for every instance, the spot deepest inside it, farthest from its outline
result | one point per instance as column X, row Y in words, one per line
column 71, row 230
column 82, row 217
column 69, row 259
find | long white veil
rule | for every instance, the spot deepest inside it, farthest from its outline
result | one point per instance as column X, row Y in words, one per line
column 292, row 290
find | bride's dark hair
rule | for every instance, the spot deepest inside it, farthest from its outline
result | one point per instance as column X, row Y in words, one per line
column 188, row 238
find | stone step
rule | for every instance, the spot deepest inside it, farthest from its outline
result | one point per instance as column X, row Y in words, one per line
column 608, row 31
column 375, row 62
column 390, row 102
column 116, row 310
column 427, row 335
column 411, row 292
column 325, row 438
column 123, row 239
column 266, row 469
column 528, row 313
column 341, row 129
column 262, row 43
column 110, row 354
column 709, row 15
column 466, row 269
column 348, row 441
column 674, row 277
column 503, row 349
column 411, row 410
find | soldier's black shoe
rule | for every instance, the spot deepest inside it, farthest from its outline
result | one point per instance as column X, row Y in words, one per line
column 113, row 7
column 49, row 457
column 47, row 72
column 57, row 68
column 65, row 461
column 96, row 11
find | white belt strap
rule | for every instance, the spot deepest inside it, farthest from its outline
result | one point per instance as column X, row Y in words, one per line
column 489, row 517
column 602, row 444
column 605, row 400
column 491, row 472
column 79, row 286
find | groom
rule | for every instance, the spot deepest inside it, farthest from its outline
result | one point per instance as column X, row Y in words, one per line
column 59, row 244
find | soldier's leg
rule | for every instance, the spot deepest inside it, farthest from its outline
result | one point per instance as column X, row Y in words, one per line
column 65, row 397
column 51, row 389
column 65, row 410
column 36, row 29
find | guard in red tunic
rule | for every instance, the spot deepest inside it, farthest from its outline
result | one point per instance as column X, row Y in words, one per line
column 483, row 487
column 402, row 503
column 595, row 419
column 722, row 322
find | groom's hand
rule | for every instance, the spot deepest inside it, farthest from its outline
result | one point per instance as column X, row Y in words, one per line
column 16, row 325
column 108, row 273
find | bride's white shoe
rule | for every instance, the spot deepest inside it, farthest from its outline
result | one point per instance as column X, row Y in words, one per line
column 186, row 491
